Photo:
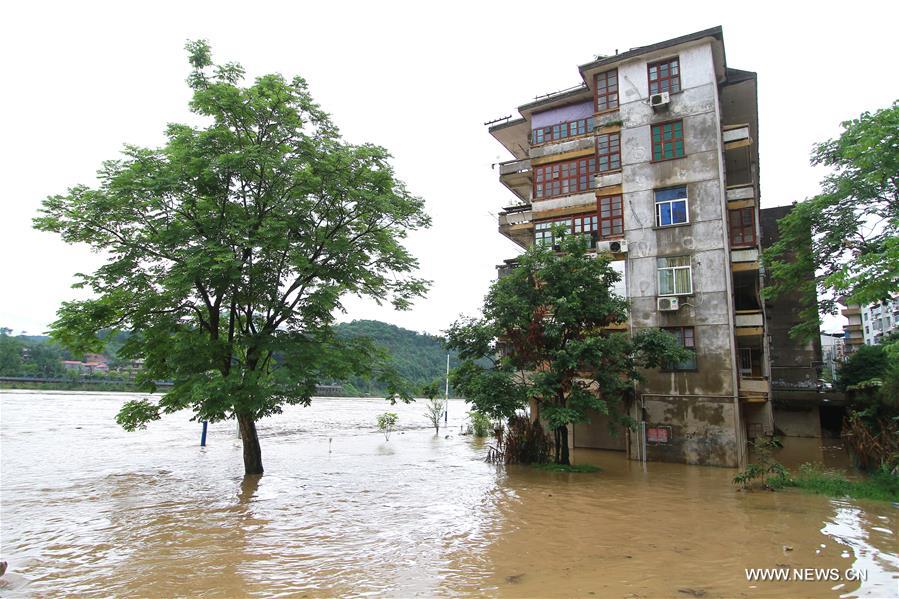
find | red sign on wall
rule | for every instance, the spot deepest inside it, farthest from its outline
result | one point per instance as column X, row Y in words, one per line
column 658, row 434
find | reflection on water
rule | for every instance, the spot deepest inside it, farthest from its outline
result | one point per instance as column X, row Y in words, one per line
column 88, row 509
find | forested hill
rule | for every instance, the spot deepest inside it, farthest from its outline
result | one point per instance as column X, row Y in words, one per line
column 419, row 357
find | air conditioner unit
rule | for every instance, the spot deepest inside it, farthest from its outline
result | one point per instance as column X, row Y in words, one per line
column 619, row 246
column 667, row 304
column 660, row 100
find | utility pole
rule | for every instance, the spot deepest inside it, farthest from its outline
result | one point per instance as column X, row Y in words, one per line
column 446, row 393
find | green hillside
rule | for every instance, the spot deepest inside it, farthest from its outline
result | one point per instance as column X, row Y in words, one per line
column 419, row 357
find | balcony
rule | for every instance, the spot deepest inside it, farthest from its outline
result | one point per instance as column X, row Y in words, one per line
column 735, row 136
column 516, row 176
column 516, row 223
column 744, row 259
column 749, row 323
column 851, row 311
column 753, row 388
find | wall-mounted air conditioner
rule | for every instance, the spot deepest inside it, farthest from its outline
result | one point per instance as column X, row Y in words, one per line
column 659, row 101
column 616, row 246
column 667, row 304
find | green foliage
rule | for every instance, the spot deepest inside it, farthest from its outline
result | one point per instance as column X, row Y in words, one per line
column 849, row 233
column 386, row 423
column 135, row 414
column 30, row 356
column 544, row 337
column 765, row 469
column 865, row 363
column 418, row 357
column 229, row 248
column 481, row 425
column 881, row 485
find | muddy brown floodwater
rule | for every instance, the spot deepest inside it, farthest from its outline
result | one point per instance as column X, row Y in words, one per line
column 90, row 510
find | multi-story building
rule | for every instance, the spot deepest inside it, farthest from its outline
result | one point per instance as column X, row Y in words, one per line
column 869, row 324
column 654, row 157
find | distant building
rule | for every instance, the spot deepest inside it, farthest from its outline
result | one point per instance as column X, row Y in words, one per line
column 869, row 324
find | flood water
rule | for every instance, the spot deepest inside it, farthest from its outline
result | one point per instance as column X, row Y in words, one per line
column 90, row 510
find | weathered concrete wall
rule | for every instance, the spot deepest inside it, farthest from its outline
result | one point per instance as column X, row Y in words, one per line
column 794, row 364
column 797, row 421
column 699, row 405
column 702, row 430
column 596, row 434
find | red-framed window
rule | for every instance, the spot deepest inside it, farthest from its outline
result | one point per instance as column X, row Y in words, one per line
column 562, row 130
column 611, row 217
column 742, row 226
column 664, row 76
column 606, row 90
column 667, row 140
column 686, row 338
column 563, row 178
column 550, row 232
column 608, row 152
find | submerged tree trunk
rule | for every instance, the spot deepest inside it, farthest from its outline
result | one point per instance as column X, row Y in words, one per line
column 563, row 434
column 252, row 452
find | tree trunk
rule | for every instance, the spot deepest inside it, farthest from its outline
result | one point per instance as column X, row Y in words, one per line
column 252, row 453
column 563, row 435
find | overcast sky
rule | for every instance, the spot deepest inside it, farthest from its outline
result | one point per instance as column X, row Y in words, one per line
column 420, row 78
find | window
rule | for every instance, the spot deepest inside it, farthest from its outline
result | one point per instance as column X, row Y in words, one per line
column 562, row 130
column 686, row 339
column 550, row 232
column 664, row 76
column 668, row 140
column 742, row 226
column 671, row 206
column 608, row 152
column 675, row 275
column 611, row 217
column 606, row 90
column 562, row 178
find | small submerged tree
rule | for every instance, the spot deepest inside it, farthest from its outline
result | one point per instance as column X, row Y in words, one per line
column 228, row 250
column 386, row 423
column 435, row 409
column 545, row 333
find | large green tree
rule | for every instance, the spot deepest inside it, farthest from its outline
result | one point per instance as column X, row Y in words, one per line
column 854, row 223
column 229, row 249
column 545, row 332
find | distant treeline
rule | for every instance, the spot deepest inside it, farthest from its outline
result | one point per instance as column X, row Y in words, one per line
column 419, row 357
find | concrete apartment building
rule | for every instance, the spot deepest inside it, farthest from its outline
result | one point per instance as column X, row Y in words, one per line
column 654, row 158
column 869, row 324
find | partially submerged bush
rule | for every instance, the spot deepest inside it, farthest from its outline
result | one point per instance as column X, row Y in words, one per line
column 481, row 425
column 386, row 423
column 522, row 442
column 765, row 470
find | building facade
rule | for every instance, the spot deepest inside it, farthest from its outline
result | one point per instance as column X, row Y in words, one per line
column 871, row 323
column 654, row 159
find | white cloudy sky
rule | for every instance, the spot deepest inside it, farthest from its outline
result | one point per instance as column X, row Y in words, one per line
column 420, row 78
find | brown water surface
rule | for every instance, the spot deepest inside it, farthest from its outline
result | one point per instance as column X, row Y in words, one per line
column 90, row 510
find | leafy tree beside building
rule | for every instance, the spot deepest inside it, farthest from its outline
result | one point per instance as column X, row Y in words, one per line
column 545, row 330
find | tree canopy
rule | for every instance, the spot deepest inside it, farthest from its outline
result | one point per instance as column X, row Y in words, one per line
column 545, row 330
column 229, row 248
column 854, row 223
